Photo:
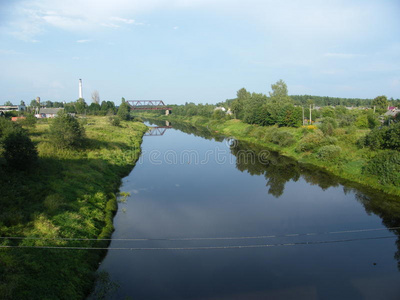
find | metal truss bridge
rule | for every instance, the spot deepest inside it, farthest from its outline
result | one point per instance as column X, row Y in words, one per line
column 148, row 105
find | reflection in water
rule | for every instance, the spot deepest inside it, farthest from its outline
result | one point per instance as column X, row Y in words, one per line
column 278, row 170
column 271, row 195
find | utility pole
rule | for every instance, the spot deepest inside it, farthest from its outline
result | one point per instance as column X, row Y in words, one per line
column 302, row 108
column 310, row 115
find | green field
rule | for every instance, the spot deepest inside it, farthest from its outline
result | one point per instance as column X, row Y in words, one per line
column 69, row 193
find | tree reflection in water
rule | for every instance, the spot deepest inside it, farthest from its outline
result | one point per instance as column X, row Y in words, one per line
column 278, row 170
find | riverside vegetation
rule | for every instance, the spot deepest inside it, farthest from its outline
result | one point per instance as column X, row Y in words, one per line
column 360, row 145
column 58, row 180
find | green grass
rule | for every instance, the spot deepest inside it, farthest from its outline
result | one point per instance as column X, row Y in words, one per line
column 348, row 166
column 68, row 194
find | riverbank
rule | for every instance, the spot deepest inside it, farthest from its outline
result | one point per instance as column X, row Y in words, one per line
column 69, row 194
column 347, row 165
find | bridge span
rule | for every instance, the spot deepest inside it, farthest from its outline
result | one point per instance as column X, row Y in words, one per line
column 149, row 105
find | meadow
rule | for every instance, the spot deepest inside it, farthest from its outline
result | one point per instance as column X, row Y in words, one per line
column 67, row 194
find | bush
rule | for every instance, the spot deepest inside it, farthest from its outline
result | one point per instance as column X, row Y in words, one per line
column 66, row 131
column 114, row 121
column 329, row 152
column 283, row 138
column 385, row 165
column 328, row 126
column 382, row 138
column 19, row 151
column 315, row 140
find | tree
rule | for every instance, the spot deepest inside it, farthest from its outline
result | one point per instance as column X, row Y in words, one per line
column 96, row 97
column 8, row 103
column 94, row 108
column 279, row 94
column 19, row 151
column 238, row 104
column 380, row 102
column 80, row 106
column 123, row 111
column 66, row 131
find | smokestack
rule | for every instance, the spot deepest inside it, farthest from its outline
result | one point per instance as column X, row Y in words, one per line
column 80, row 89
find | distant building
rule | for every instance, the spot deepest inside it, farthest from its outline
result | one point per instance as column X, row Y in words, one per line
column 48, row 113
column 14, row 119
column 220, row 108
column 392, row 112
column 5, row 108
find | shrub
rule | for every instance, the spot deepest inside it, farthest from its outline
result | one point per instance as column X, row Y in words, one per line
column 311, row 141
column 383, row 138
column 19, row 151
column 315, row 140
column 329, row 152
column 328, row 126
column 29, row 121
column 66, row 131
column 385, row 165
column 114, row 121
column 283, row 138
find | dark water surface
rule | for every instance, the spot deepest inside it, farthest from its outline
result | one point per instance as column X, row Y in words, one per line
column 202, row 191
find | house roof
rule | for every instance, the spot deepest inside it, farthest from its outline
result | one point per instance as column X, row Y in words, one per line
column 392, row 113
column 50, row 110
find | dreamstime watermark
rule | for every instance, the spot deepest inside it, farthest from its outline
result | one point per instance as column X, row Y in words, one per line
column 220, row 155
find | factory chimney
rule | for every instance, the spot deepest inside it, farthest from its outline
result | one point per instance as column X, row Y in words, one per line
column 80, row 89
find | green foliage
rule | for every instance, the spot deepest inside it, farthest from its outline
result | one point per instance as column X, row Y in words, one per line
column 66, row 131
column 315, row 140
column 380, row 102
column 238, row 104
column 328, row 126
column 80, row 106
column 252, row 108
column 19, row 151
column 69, row 194
column 386, row 166
column 29, row 121
column 330, row 152
column 282, row 138
column 218, row 114
column 328, row 112
column 123, row 111
column 114, row 121
column 387, row 137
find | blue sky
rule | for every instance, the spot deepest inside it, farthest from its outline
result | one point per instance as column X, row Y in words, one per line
column 199, row 50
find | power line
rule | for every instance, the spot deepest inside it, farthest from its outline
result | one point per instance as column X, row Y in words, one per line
column 206, row 248
column 201, row 238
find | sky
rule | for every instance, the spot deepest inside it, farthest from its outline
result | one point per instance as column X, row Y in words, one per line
column 199, row 51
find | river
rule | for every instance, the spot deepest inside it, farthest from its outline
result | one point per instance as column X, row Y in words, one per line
column 230, row 221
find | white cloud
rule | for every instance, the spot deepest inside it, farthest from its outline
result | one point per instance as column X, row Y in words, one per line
column 292, row 20
column 176, row 27
column 110, row 25
column 83, row 41
column 126, row 21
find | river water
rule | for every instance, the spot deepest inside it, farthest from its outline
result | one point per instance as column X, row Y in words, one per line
column 196, row 198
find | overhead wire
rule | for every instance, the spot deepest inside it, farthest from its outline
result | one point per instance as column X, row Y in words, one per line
column 201, row 248
column 201, row 238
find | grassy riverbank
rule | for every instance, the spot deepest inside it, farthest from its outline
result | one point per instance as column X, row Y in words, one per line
column 347, row 165
column 68, row 194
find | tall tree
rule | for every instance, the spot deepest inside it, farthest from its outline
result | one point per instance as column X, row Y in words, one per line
column 380, row 102
column 95, row 97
